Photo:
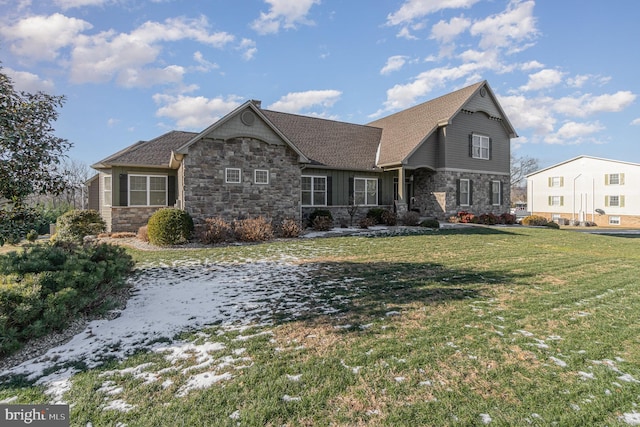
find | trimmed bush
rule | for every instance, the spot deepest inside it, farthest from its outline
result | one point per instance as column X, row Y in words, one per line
column 411, row 218
column 534, row 220
column 44, row 287
column 143, row 234
column 552, row 225
column 507, row 218
column 430, row 223
column 32, row 236
column 320, row 212
column 214, row 230
column 75, row 225
column 290, row 228
column 322, row 223
column 389, row 218
column 367, row 222
column 376, row 215
column 169, row 226
column 487, row 219
column 253, row 229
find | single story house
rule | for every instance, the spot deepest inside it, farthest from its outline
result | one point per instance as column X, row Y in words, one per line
column 445, row 155
column 587, row 189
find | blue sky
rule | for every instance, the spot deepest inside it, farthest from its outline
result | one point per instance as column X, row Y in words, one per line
column 564, row 71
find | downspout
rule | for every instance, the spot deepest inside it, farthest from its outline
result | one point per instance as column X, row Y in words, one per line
column 573, row 215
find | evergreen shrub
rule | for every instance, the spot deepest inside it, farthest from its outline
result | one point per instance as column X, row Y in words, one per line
column 75, row 225
column 169, row 226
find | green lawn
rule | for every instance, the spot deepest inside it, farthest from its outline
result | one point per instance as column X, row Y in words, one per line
column 499, row 326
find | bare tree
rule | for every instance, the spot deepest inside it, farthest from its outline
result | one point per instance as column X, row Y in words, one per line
column 76, row 174
column 520, row 168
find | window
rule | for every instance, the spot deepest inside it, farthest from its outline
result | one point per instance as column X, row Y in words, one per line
column 106, row 190
column 614, row 220
column 314, row 190
column 365, row 191
column 496, row 193
column 480, row 147
column 261, row 176
column 614, row 179
column 556, row 200
column 556, row 181
column 147, row 190
column 465, row 192
column 555, row 217
column 232, row 176
column 612, row 201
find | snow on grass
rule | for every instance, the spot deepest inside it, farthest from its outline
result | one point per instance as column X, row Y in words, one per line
column 631, row 418
column 186, row 295
column 202, row 381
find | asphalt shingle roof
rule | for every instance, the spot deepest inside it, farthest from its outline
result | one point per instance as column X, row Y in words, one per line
column 329, row 143
column 404, row 130
column 155, row 152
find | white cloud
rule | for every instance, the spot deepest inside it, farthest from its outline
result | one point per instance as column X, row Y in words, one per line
column 416, row 9
column 249, row 48
column 28, row 82
column 531, row 65
column 585, row 105
column 204, row 64
column 405, row 34
column 543, row 79
column 636, row 122
column 295, row 102
column 394, row 63
column 507, row 30
column 69, row 4
column 574, row 133
column 446, row 32
column 194, row 112
column 529, row 113
column 283, row 13
column 41, row 37
column 128, row 56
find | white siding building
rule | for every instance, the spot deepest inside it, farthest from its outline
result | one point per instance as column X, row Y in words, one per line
column 603, row 191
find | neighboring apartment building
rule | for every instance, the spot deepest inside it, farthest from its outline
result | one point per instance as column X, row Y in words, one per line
column 587, row 189
column 445, row 155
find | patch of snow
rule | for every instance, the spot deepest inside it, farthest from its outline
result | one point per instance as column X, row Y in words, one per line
column 485, row 418
column 8, row 400
column 294, row 378
column 288, row 398
column 202, row 381
column 628, row 378
column 400, row 379
column 392, row 313
column 525, row 333
column 630, row 418
column 118, row 405
column 558, row 362
column 586, row 375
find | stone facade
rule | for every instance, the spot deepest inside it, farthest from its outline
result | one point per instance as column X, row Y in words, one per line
column 128, row 218
column 340, row 214
column 207, row 194
column 435, row 193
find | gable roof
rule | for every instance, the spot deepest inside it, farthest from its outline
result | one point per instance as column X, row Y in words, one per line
column 153, row 153
column 404, row 131
column 582, row 157
column 330, row 143
column 249, row 104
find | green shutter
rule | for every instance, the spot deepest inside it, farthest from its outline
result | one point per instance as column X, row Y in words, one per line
column 562, row 181
column 550, row 181
column 550, row 201
column 606, row 179
column 621, row 201
column 621, row 179
column 561, row 200
column 606, row 201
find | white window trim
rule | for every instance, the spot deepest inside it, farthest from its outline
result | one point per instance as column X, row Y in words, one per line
column 105, row 190
column 468, row 193
column 313, row 177
column 255, row 176
column 556, row 181
column 148, row 190
column 614, row 220
column 366, row 193
column 499, row 193
column 617, row 199
column 226, row 176
column 617, row 175
column 481, row 139
column 557, row 199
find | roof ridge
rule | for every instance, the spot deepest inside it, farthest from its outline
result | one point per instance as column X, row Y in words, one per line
column 318, row 118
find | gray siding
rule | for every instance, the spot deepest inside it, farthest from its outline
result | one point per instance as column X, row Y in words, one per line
column 457, row 144
column 235, row 128
column 486, row 104
column 426, row 155
column 340, row 184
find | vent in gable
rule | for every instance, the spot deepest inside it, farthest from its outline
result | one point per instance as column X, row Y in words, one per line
column 248, row 118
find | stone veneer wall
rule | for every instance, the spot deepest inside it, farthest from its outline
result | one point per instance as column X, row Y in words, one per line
column 130, row 218
column 207, row 195
column 436, row 193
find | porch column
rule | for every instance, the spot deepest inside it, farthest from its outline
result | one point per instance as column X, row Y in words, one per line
column 401, row 203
